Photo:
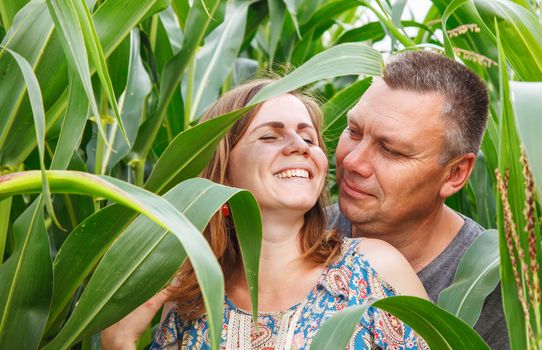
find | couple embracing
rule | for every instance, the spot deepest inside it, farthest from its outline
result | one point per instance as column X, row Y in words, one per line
column 411, row 142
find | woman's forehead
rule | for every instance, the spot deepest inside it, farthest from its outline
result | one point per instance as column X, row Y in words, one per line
column 286, row 109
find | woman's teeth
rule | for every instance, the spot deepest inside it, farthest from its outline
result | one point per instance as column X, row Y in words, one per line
column 293, row 173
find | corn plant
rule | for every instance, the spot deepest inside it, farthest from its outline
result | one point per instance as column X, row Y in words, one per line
column 99, row 150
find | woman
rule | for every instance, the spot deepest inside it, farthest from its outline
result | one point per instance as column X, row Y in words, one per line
column 306, row 273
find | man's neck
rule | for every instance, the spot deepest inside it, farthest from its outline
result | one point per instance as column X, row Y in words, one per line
column 420, row 242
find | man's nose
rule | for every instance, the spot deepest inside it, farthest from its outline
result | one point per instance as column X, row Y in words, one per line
column 360, row 159
column 296, row 145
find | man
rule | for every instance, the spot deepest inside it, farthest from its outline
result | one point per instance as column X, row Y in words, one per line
column 411, row 142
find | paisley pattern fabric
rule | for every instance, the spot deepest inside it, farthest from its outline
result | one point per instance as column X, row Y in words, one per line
column 349, row 281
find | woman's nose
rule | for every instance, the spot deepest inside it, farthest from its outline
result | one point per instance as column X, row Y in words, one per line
column 296, row 144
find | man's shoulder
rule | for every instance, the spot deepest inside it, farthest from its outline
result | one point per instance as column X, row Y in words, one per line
column 336, row 220
column 439, row 273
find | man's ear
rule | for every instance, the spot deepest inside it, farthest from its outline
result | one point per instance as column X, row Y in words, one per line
column 459, row 170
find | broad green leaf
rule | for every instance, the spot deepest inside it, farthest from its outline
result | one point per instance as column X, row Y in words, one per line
column 371, row 31
column 132, row 105
column 92, row 42
column 113, row 21
column 527, row 104
column 8, row 9
column 322, row 18
column 171, row 27
column 393, row 30
column 181, row 8
column 190, row 151
column 292, row 11
column 198, row 21
column 277, row 11
column 82, row 250
column 344, row 59
column 30, row 29
column 215, row 59
column 335, row 111
column 72, row 126
column 157, row 209
column 439, row 328
column 476, row 277
column 36, row 102
column 119, row 285
column 509, row 155
column 521, row 35
column 26, row 282
column 71, row 35
column 482, row 183
column 5, row 209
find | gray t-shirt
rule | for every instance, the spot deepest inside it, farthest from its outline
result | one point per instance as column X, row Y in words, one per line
column 439, row 274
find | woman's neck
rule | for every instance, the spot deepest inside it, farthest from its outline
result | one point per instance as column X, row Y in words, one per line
column 284, row 276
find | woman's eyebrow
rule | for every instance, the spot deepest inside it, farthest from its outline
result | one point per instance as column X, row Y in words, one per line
column 304, row 126
column 280, row 125
column 276, row 125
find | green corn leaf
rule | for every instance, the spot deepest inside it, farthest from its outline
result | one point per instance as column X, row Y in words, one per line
column 527, row 104
column 8, row 10
column 33, row 38
column 119, row 285
column 22, row 39
column 26, row 282
column 509, row 155
column 521, row 35
column 98, row 59
column 344, row 59
column 207, row 270
column 198, row 21
column 36, row 102
column 439, row 328
column 82, row 250
column 335, row 111
column 72, row 126
column 476, row 277
column 138, row 87
column 215, row 59
column 277, row 11
column 72, row 37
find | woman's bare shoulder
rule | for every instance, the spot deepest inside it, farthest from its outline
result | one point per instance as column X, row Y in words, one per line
column 392, row 267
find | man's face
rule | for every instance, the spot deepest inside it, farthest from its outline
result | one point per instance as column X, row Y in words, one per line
column 388, row 166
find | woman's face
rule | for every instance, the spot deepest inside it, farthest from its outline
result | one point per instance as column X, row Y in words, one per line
column 278, row 158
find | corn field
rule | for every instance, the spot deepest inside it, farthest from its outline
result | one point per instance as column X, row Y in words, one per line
column 100, row 150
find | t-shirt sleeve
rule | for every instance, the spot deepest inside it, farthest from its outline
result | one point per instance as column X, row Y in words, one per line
column 377, row 327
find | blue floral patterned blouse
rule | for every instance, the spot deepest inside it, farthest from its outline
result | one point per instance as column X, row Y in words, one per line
column 349, row 281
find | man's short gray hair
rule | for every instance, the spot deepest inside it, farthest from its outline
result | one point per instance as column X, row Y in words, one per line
column 466, row 99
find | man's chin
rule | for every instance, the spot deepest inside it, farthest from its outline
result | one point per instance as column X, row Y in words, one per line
column 355, row 213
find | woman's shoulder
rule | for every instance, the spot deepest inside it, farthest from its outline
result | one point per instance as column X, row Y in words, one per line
column 382, row 263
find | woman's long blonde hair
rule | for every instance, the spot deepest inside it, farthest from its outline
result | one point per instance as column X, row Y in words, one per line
column 317, row 244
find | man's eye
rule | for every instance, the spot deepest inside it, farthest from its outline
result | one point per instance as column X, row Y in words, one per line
column 390, row 151
column 353, row 132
